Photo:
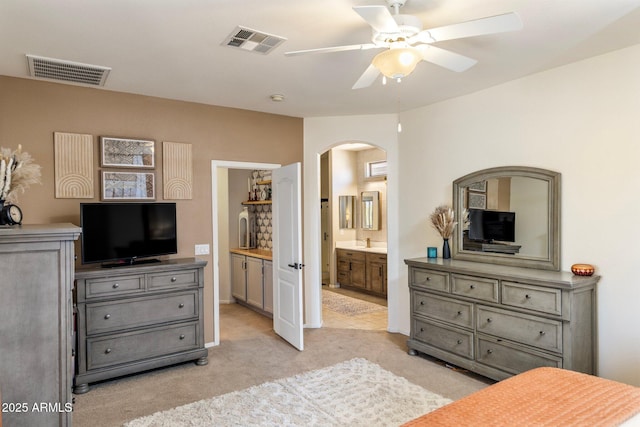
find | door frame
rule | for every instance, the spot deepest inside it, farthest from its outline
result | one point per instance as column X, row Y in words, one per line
column 215, row 249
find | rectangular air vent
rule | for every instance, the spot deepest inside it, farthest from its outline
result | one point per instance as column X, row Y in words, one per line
column 68, row 71
column 252, row 40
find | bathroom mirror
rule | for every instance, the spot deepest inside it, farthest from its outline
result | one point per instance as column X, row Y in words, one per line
column 370, row 210
column 508, row 215
column 347, row 211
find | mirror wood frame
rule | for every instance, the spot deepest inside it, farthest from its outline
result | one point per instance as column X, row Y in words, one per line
column 552, row 261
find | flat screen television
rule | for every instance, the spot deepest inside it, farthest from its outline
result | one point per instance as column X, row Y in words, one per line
column 119, row 234
column 488, row 226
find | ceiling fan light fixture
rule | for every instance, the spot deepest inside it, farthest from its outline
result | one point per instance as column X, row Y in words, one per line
column 397, row 63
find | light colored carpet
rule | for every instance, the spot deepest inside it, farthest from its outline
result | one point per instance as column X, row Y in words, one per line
column 354, row 393
column 348, row 306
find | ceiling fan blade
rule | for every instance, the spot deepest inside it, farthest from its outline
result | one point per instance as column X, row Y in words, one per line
column 478, row 27
column 378, row 17
column 333, row 49
column 445, row 58
column 367, row 78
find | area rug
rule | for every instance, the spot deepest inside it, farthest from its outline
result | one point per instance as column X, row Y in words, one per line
column 348, row 306
column 352, row 393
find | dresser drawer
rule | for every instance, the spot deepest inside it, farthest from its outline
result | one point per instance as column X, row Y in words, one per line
column 113, row 286
column 448, row 310
column 522, row 328
column 475, row 287
column 134, row 346
column 512, row 359
column 429, row 279
column 546, row 300
column 453, row 340
column 184, row 278
column 136, row 312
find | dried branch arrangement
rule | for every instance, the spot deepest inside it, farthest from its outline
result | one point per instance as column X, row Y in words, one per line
column 17, row 173
column 443, row 220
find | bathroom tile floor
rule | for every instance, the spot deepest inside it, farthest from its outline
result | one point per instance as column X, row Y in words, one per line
column 374, row 321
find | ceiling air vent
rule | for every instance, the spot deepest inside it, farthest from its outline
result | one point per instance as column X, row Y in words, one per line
column 68, row 71
column 252, row 40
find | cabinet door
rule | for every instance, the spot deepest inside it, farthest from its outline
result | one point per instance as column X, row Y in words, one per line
column 238, row 277
column 358, row 274
column 267, row 277
column 254, row 282
column 377, row 277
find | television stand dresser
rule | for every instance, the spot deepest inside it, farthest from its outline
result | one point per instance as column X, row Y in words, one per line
column 135, row 318
column 498, row 320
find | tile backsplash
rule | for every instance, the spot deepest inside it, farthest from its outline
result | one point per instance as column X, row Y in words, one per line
column 263, row 226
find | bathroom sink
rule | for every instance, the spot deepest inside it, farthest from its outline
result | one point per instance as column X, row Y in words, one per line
column 363, row 248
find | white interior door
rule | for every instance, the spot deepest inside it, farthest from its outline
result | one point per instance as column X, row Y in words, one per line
column 287, row 254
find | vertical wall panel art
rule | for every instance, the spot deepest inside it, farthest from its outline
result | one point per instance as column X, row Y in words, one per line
column 177, row 171
column 73, row 165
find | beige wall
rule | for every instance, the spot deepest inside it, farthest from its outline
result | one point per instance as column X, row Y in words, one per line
column 31, row 111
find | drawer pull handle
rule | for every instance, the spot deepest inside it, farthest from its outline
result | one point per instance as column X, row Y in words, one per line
column 459, row 342
column 543, row 333
column 421, row 329
column 107, row 351
column 181, row 305
column 428, row 279
column 107, row 316
column 472, row 286
column 182, row 336
column 116, row 285
column 527, row 296
column 459, row 313
column 489, row 320
column 489, row 351
column 421, row 302
column 173, row 279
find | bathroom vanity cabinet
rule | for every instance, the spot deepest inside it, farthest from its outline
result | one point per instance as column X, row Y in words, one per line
column 362, row 271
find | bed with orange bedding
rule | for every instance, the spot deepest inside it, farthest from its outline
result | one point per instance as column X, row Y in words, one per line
column 542, row 397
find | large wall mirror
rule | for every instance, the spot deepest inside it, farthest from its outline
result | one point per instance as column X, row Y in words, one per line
column 347, row 211
column 370, row 210
column 508, row 215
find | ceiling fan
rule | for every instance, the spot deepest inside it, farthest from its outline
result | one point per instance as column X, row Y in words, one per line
column 406, row 43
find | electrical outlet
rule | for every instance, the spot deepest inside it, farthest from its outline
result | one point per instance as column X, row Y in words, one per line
column 202, row 249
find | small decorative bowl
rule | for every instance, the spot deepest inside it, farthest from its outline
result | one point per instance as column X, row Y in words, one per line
column 582, row 269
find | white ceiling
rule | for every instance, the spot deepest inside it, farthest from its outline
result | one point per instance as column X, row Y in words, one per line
column 172, row 48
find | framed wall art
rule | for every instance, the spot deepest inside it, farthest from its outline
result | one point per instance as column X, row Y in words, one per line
column 127, row 153
column 73, row 165
column 480, row 186
column 128, row 185
column 477, row 200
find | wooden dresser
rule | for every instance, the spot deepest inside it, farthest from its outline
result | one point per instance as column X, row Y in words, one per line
column 135, row 318
column 36, row 281
column 499, row 321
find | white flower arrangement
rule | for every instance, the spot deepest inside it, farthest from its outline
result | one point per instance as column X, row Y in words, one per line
column 17, row 173
column 443, row 220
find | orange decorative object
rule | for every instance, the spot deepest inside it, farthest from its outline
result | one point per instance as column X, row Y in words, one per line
column 582, row 269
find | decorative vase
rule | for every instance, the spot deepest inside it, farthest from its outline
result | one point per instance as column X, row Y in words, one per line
column 446, row 251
